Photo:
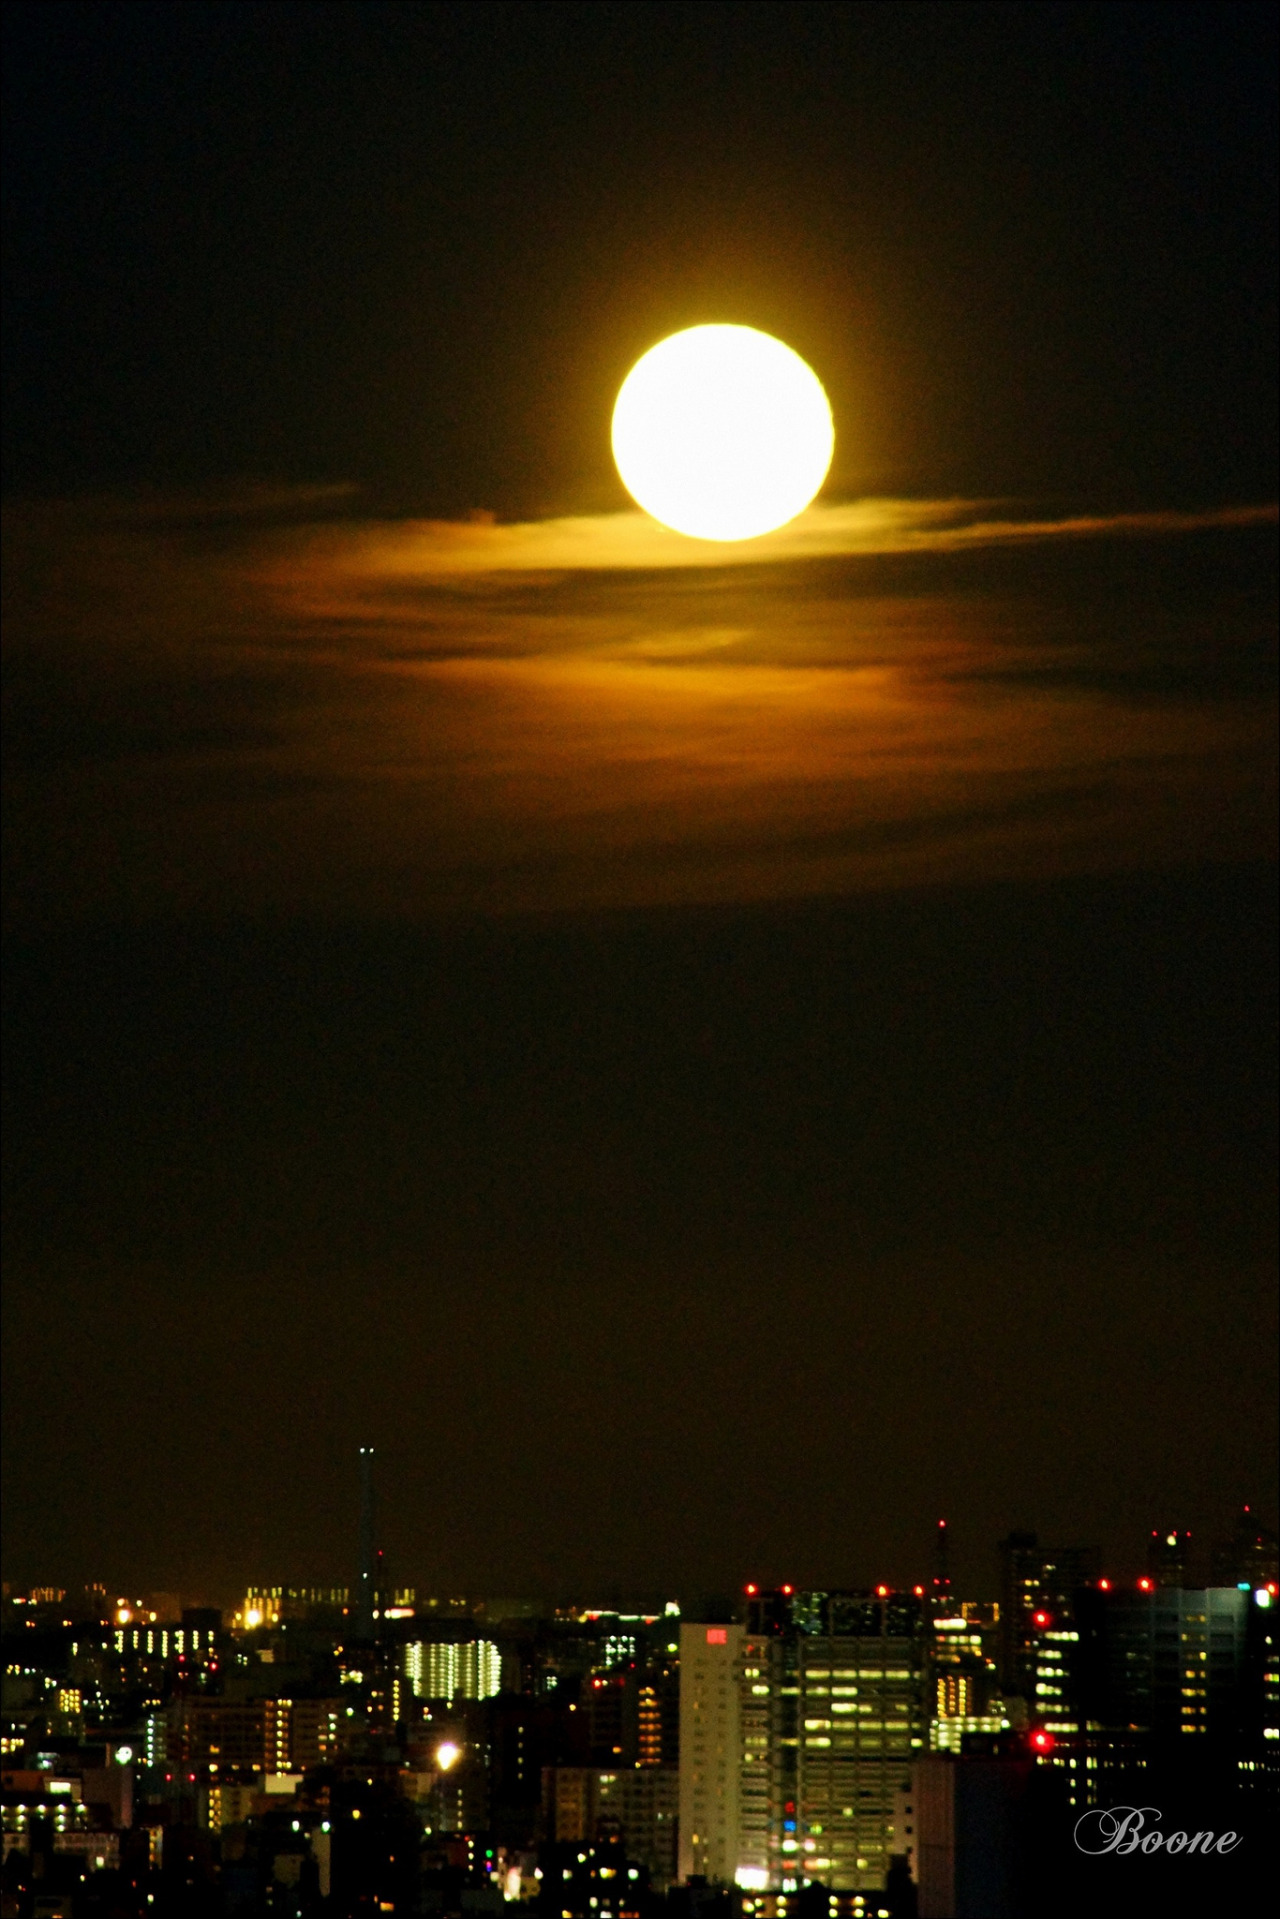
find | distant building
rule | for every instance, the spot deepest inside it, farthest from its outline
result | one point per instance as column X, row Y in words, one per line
column 642, row 1805
column 1168, row 1556
column 215, row 1738
column 639, row 1806
column 453, row 1669
column 1035, row 1578
column 963, row 1694
column 1249, row 1557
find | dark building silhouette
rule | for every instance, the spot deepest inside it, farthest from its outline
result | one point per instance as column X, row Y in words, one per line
column 1173, row 1664
column 1250, row 1557
column 1035, row 1578
column 1169, row 1556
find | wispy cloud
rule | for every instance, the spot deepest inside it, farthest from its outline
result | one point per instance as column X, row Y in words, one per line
column 219, row 708
column 622, row 542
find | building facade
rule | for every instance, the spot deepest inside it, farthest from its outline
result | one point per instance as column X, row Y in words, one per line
column 711, row 1750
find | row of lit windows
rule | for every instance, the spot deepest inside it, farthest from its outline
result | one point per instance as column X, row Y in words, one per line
column 181, row 1640
column 445, row 1670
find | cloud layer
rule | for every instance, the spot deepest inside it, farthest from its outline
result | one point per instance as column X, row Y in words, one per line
column 231, row 706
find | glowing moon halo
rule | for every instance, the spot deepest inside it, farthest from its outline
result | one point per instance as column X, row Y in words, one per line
column 722, row 433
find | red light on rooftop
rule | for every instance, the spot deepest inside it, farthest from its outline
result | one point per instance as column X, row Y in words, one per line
column 882, row 1592
column 1041, row 1619
column 1043, row 1741
column 1104, row 1585
column 1146, row 1585
column 918, row 1591
column 752, row 1589
column 788, row 1590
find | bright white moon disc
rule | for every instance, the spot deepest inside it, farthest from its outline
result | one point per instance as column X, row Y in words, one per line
column 722, row 433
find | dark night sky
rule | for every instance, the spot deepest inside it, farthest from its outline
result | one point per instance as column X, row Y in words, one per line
column 708, row 1060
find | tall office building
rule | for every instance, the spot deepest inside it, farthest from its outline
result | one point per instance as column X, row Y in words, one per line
column 834, row 1709
column 1156, row 1677
column 711, row 1748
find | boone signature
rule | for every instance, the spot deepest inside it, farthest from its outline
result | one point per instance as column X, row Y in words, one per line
column 1124, row 1829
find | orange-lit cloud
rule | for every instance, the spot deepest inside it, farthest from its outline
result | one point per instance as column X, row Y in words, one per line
column 410, row 718
column 631, row 541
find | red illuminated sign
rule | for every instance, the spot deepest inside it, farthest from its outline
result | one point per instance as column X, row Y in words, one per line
column 717, row 1635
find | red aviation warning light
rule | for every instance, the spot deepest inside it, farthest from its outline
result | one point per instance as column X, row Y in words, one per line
column 1042, row 1741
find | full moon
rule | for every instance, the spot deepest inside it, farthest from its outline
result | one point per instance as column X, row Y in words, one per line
column 722, row 432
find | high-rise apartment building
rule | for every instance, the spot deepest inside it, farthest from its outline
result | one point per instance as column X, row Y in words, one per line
column 453, row 1669
column 711, row 1750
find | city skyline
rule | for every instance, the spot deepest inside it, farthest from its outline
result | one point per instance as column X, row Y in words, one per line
column 706, row 1056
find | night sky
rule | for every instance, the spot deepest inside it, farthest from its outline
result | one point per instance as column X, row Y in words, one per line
column 709, row 1058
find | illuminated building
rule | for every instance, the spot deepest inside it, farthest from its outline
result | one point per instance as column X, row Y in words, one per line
column 190, row 1644
column 657, row 1717
column 270, row 1606
column 711, row 1747
column 453, row 1669
column 211, row 1737
column 834, row 1709
column 962, row 1684
column 604, row 1700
